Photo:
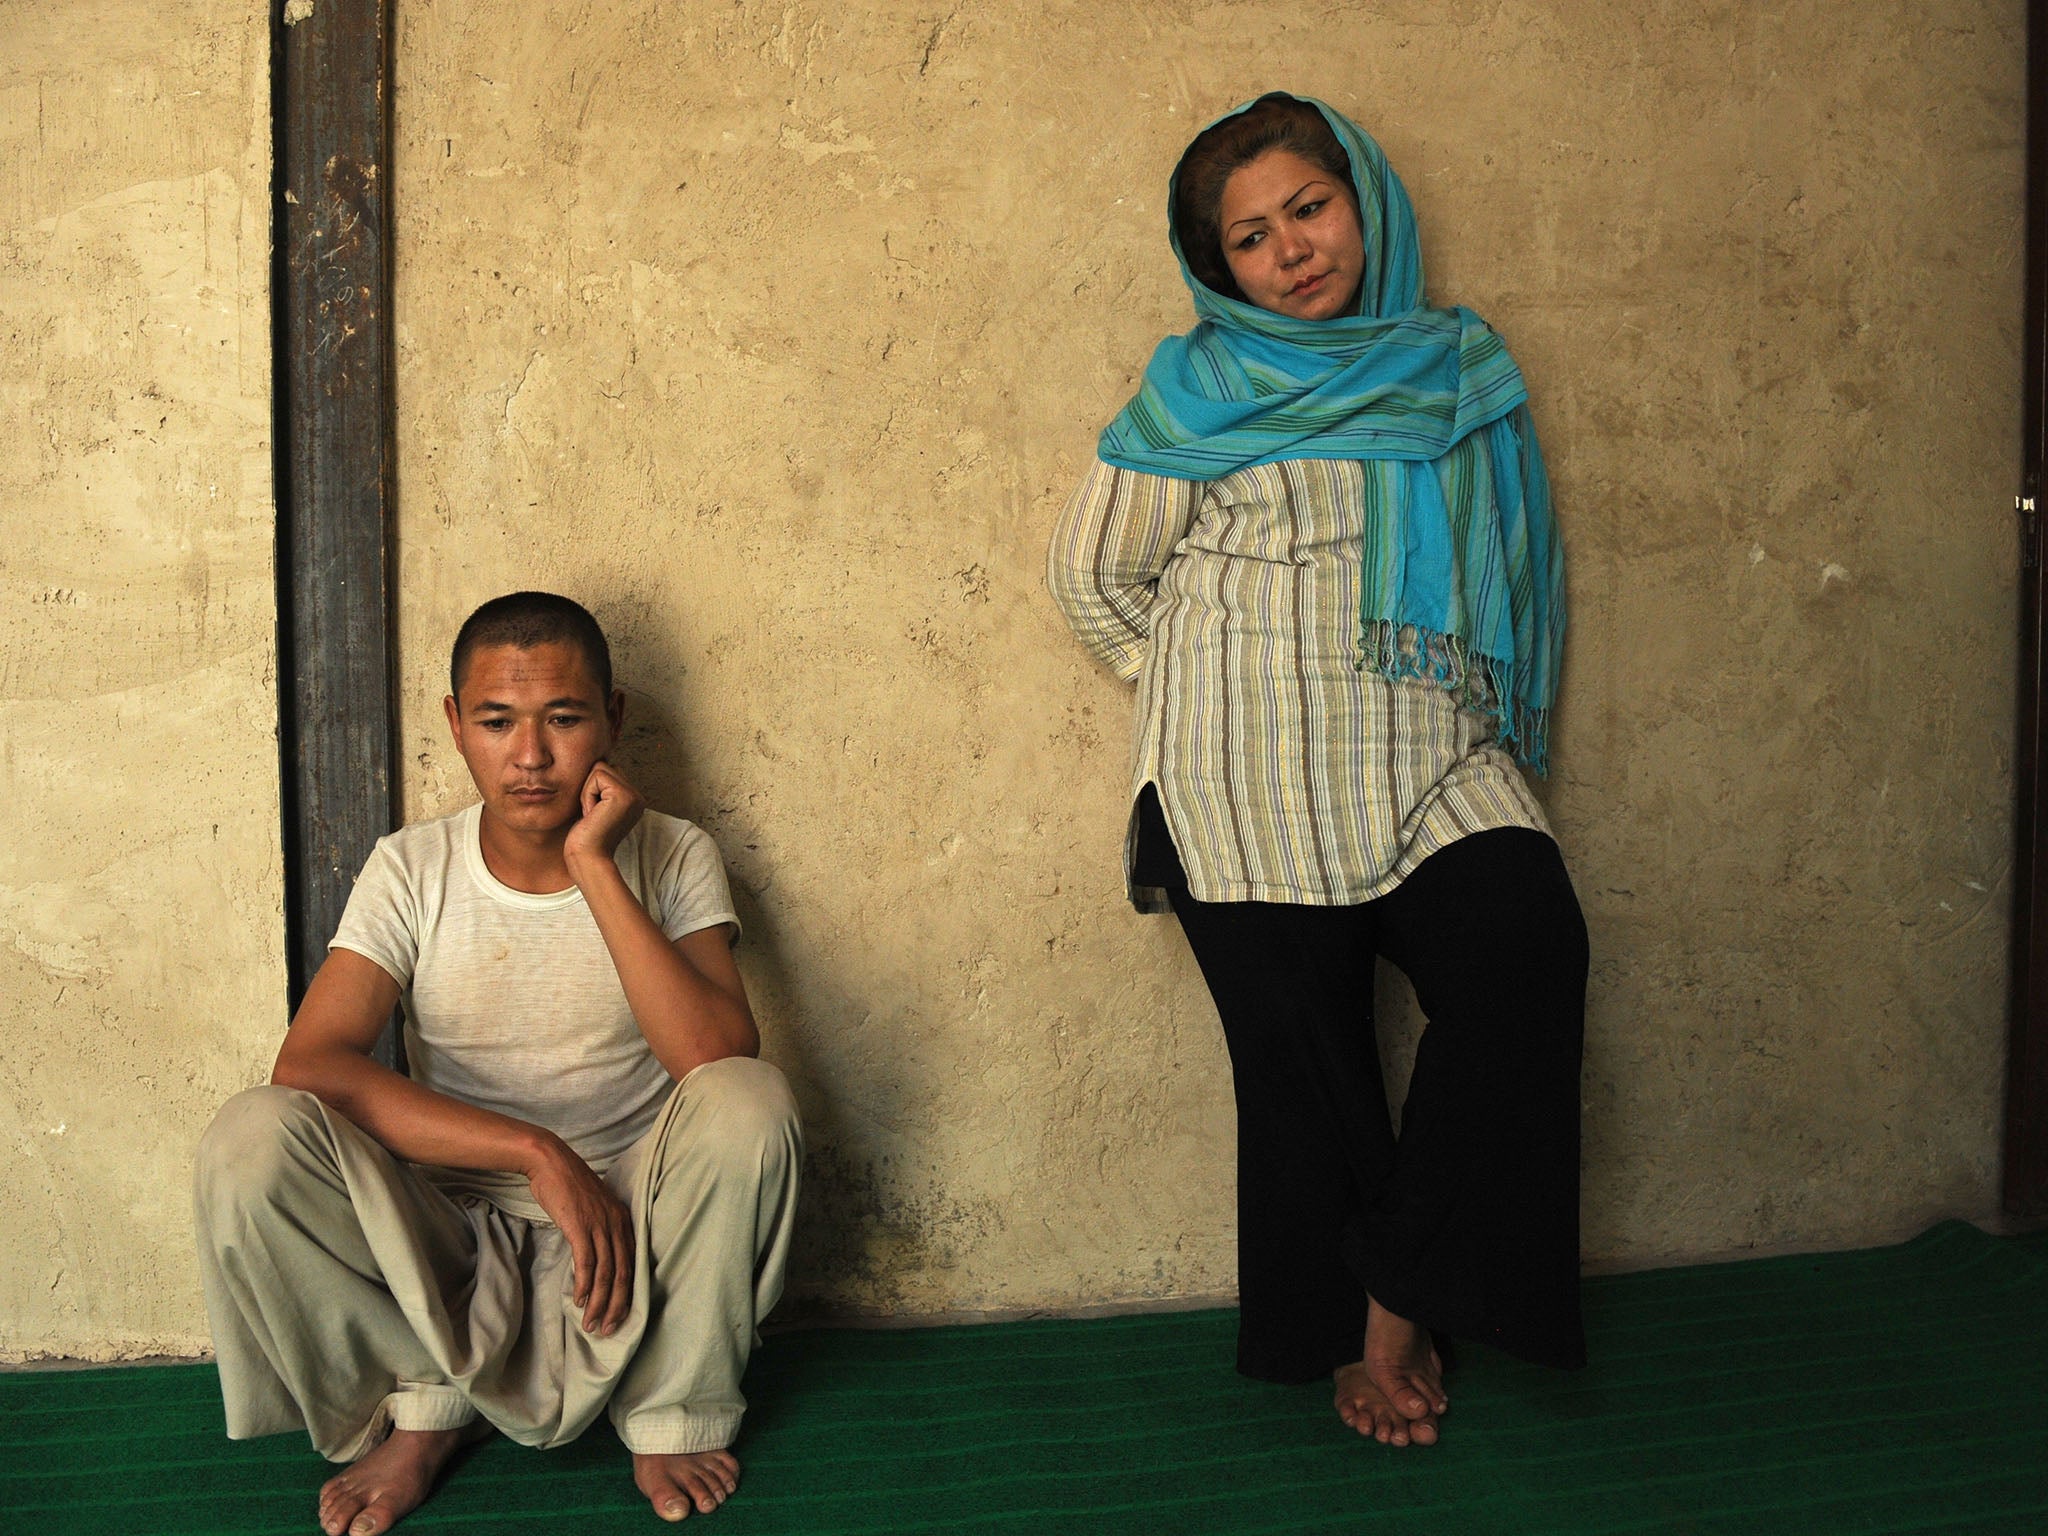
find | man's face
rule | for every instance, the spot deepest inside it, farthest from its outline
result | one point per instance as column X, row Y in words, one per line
column 530, row 723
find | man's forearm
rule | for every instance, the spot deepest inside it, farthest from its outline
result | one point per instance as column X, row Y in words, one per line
column 412, row 1120
column 688, row 1019
column 325, row 1054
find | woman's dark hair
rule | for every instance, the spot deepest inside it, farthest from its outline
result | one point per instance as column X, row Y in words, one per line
column 1277, row 121
column 524, row 620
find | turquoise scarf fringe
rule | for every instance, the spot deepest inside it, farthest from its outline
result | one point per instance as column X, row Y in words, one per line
column 1463, row 572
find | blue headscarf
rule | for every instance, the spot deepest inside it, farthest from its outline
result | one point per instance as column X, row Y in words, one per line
column 1461, row 555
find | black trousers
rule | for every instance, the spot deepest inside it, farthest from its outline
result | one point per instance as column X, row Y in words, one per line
column 1468, row 1221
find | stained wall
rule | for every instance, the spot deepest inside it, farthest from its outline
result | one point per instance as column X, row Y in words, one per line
column 778, row 333
column 141, row 937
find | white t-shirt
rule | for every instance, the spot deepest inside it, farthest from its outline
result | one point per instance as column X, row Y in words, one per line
column 511, row 1000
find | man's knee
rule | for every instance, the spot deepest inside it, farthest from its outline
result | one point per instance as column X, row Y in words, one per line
column 742, row 1114
column 258, row 1135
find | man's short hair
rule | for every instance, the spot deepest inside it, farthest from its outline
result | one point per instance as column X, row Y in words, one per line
column 524, row 620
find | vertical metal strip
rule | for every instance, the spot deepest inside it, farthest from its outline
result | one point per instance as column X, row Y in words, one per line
column 333, row 366
column 2026, row 1116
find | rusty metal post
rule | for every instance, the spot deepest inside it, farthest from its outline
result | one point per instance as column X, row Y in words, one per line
column 332, row 281
column 2026, row 1103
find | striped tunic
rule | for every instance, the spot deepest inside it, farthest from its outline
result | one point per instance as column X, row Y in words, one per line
column 1286, row 773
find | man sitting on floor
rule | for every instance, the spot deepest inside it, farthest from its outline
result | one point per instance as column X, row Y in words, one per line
column 583, row 1194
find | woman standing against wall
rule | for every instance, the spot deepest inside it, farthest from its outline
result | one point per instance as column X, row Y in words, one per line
column 1319, row 540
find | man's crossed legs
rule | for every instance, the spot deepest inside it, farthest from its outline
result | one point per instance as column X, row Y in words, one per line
column 351, row 1296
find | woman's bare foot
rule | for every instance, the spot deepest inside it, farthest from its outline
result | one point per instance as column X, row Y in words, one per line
column 674, row 1483
column 391, row 1482
column 1396, row 1392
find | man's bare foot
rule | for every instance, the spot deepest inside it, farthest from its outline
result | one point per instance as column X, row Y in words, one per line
column 673, row 1484
column 391, row 1482
column 1396, row 1392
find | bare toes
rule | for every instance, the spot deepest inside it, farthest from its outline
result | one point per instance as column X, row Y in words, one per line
column 338, row 1506
column 673, row 1506
column 677, row 1485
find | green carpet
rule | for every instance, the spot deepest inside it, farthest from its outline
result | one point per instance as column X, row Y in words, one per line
column 1898, row 1389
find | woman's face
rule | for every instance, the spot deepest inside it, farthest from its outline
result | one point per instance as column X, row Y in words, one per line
column 1291, row 237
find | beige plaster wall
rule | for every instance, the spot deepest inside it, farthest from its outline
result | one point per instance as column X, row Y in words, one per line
column 141, row 938
column 778, row 333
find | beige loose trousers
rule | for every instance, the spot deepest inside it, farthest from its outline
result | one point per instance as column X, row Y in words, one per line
column 349, row 1293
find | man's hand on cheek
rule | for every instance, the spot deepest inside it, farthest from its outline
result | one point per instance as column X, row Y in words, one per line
column 611, row 807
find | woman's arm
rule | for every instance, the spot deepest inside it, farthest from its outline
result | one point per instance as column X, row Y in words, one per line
column 1117, row 534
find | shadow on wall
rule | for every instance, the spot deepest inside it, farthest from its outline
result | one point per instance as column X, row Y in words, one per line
column 860, row 1225
column 870, row 1215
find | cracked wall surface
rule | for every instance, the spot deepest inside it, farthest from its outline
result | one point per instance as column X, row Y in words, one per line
column 141, row 935
column 778, row 333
